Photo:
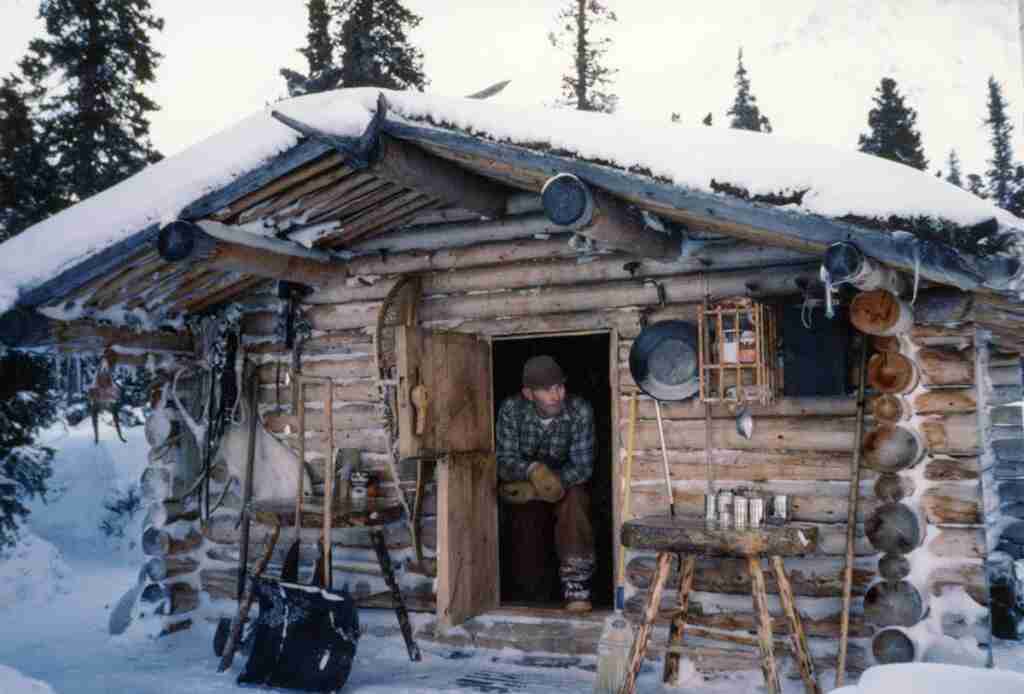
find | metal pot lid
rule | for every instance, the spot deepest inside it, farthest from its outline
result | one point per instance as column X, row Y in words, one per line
column 664, row 361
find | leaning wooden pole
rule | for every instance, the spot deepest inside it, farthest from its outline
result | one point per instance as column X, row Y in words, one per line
column 851, row 519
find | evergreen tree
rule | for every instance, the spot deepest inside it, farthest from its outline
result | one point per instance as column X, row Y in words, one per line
column 374, row 45
column 319, row 53
column 954, row 175
column 26, row 406
column 744, row 111
column 1001, row 176
column 28, row 186
column 94, row 62
column 976, row 185
column 586, row 87
column 893, row 135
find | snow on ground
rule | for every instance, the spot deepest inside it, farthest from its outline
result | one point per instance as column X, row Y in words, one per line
column 58, row 588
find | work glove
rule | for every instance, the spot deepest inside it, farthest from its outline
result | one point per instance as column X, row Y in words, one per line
column 517, row 492
column 546, row 482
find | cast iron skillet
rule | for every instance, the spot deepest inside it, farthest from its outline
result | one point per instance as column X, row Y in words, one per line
column 663, row 360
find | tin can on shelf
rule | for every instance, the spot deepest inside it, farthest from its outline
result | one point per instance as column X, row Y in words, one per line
column 780, row 507
column 725, row 502
column 709, row 507
column 360, row 482
column 756, row 511
column 725, row 520
column 740, row 508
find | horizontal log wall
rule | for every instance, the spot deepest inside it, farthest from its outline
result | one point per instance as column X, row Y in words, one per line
column 800, row 446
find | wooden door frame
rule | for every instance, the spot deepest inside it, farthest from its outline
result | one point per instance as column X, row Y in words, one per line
column 616, row 458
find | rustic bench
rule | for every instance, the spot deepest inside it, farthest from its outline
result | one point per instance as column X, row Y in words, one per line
column 689, row 538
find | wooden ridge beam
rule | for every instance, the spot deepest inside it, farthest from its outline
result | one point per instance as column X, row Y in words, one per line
column 411, row 167
column 218, row 246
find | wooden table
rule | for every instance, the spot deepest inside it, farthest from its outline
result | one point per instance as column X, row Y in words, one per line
column 692, row 537
column 371, row 512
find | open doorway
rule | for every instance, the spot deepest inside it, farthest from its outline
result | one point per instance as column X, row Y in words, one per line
column 585, row 361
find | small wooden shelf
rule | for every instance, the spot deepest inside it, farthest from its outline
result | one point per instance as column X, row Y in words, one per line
column 737, row 352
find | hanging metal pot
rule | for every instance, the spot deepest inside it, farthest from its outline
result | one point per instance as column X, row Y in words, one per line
column 664, row 360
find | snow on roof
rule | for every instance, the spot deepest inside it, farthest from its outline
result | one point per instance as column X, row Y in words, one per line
column 838, row 181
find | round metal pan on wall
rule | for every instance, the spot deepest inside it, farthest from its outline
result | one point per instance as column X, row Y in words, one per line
column 664, row 361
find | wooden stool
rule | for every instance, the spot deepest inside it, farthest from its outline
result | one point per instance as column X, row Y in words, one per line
column 690, row 537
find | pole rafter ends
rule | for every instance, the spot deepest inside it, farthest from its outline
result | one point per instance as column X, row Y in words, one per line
column 573, row 205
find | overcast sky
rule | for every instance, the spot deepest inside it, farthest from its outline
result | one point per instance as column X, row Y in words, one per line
column 814, row 64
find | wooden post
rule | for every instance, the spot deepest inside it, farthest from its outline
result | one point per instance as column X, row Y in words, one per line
column 643, row 634
column 764, row 625
column 675, row 636
column 796, row 629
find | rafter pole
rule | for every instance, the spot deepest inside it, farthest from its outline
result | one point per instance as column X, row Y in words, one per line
column 572, row 205
column 222, row 247
column 412, row 167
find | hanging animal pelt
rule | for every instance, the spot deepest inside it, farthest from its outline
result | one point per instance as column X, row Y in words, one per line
column 105, row 395
column 275, row 467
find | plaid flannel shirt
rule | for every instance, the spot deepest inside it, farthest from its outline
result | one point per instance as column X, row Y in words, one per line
column 566, row 445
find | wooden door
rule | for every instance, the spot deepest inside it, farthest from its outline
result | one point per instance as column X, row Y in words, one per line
column 455, row 371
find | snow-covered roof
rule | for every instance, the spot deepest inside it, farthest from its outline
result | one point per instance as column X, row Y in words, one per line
column 837, row 182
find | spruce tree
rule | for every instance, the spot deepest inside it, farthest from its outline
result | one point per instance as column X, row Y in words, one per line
column 976, row 185
column 28, row 187
column 26, row 406
column 954, row 175
column 746, row 115
column 323, row 74
column 1000, row 177
column 375, row 47
column 586, row 87
column 893, row 135
column 94, row 62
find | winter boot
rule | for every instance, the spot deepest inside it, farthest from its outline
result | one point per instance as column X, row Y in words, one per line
column 575, row 573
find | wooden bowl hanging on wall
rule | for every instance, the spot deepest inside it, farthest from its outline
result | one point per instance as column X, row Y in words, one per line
column 891, row 372
column 880, row 312
column 893, row 604
column 894, row 528
column 891, row 448
column 892, row 645
column 889, row 408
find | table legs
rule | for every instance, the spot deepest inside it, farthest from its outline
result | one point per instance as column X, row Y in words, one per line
column 643, row 634
column 384, row 558
column 796, row 629
column 764, row 625
column 673, row 652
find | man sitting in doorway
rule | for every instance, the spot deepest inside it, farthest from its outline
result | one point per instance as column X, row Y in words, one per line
column 545, row 451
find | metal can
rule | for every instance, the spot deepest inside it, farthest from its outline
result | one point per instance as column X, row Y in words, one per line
column 740, row 510
column 360, row 484
column 725, row 519
column 724, row 502
column 709, row 507
column 756, row 511
column 780, row 507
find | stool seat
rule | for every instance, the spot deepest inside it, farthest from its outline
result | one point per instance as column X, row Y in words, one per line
column 689, row 535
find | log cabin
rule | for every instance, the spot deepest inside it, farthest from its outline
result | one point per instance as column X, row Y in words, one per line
column 386, row 241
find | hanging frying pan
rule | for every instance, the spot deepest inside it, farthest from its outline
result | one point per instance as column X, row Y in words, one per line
column 663, row 362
